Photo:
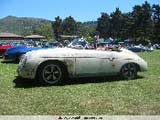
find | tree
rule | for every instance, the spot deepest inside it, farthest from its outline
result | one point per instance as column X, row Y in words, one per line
column 57, row 27
column 156, row 20
column 142, row 22
column 156, row 13
column 103, row 25
column 45, row 30
column 87, row 29
column 147, row 21
column 116, row 23
column 69, row 26
column 126, row 26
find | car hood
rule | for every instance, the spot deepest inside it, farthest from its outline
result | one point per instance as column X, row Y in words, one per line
column 51, row 52
column 20, row 49
column 5, row 46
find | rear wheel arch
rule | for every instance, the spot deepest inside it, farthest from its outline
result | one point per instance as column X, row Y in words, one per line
column 137, row 65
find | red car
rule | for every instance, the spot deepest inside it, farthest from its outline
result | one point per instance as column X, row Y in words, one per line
column 3, row 49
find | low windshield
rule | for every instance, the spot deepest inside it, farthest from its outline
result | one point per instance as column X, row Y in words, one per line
column 79, row 42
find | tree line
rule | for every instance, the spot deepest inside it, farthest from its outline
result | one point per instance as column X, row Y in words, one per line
column 142, row 24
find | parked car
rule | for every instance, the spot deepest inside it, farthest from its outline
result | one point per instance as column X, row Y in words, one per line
column 3, row 49
column 53, row 45
column 15, row 53
column 156, row 46
column 79, row 43
column 138, row 48
column 52, row 66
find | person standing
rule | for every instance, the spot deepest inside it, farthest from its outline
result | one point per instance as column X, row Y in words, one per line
column 96, row 37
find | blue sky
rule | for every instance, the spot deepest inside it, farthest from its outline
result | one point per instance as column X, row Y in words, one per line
column 81, row 10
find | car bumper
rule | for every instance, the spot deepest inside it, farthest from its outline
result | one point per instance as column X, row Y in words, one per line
column 144, row 66
column 25, row 71
column 27, row 67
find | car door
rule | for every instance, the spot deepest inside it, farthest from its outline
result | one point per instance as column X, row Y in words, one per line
column 94, row 64
column 107, row 63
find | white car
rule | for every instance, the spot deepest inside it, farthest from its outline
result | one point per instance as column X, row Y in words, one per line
column 52, row 66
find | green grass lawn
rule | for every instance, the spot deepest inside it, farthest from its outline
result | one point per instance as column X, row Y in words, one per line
column 109, row 96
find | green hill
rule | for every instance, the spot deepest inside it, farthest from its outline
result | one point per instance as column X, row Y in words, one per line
column 26, row 26
column 21, row 25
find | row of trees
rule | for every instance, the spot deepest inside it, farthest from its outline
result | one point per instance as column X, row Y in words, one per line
column 45, row 30
column 69, row 26
column 142, row 24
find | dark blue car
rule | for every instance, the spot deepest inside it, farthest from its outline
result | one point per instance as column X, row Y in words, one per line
column 138, row 48
column 15, row 53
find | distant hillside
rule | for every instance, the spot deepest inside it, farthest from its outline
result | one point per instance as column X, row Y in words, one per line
column 21, row 25
column 26, row 26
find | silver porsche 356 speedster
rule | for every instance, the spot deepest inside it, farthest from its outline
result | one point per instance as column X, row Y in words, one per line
column 52, row 66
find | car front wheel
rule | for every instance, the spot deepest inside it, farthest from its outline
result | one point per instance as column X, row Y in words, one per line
column 51, row 73
column 129, row 71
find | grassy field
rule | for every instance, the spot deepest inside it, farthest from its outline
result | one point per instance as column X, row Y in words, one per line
column 89, row 96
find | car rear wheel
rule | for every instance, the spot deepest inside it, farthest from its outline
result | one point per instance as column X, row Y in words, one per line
column 51, row 73
column 129, row 71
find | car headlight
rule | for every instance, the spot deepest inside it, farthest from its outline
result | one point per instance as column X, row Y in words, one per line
column 23, row 60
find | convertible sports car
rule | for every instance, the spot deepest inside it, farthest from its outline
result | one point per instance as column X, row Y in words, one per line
column 52, row 66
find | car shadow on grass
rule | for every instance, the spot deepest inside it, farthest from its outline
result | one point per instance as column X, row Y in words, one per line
column 28, row 83
column 9, row 62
